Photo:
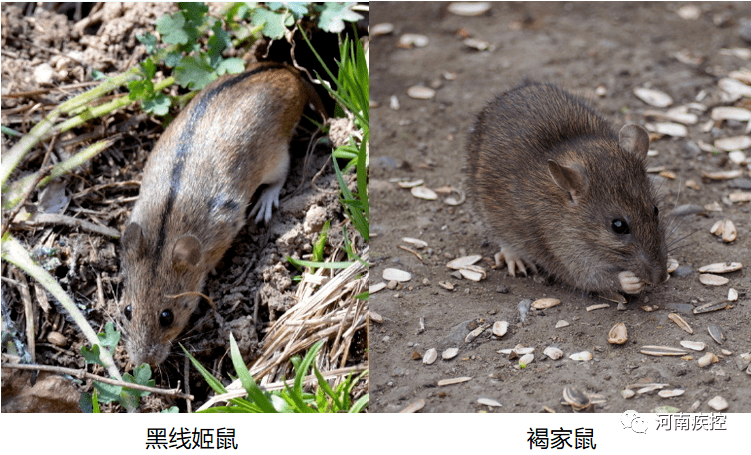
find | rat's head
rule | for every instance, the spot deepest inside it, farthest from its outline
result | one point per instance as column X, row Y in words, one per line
column 613, row 212
column 160, row 292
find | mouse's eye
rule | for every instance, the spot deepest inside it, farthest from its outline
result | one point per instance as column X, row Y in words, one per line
column 128, row 312
column 657, row 212
column 165, row 318
column 620, row 227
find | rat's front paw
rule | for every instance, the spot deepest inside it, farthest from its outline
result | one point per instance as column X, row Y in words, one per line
column 513, row 261
column 630, row 283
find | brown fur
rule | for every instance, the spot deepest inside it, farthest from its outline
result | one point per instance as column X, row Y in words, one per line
column 232, row 138
column 558, row 215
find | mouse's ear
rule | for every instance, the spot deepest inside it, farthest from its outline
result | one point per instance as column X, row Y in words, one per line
column 572, row 179
column 187, row 251
column 634, row 139
column 132, row 238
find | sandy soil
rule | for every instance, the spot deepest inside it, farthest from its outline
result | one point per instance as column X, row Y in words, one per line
column 580, row 46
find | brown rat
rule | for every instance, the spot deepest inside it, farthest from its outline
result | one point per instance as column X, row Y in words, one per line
column 232, row 138
column 562, row 191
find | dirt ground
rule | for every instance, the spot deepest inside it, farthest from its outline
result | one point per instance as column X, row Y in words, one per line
column 253, row 284
column 579, row 46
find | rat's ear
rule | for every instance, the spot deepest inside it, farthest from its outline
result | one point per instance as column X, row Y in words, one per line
column 132, row 238
column 186, row 252
column 572, row 179
column 634, row 139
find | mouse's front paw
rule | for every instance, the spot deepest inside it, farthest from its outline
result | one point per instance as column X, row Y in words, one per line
column 513, row 261
column 630, row 283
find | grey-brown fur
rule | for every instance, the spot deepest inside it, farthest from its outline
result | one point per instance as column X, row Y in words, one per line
column 199, row 179
column 564, row 225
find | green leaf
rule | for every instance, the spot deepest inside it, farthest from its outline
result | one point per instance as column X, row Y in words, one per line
column 194, row 12
column 149, row 41
column 158, row 104
column 193, row 73
column 172, row 59
column 91, row 355
column 107, row 393
column 109, row 338
column 171, row 28
column 321, row 243
column 171, row 410
column 334, row 14
column 217, row 43
column 231, row 66
column 249, row 384
column 213, row 382
column 298, row 9
column 274, row 24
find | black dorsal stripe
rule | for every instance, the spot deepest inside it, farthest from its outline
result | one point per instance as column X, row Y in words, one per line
column 185, row 148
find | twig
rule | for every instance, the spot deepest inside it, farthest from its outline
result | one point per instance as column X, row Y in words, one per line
column 81, row 374
column 40, row 219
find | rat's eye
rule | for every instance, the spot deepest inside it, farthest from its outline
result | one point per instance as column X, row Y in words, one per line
column 620, row 227
column 128, row 312
column 165, row 318
column 657, row 212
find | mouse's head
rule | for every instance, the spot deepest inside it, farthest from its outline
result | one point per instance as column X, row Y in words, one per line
column 160, row 292
column 610, row 221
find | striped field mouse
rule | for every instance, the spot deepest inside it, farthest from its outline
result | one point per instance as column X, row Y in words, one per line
column 232, row 138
